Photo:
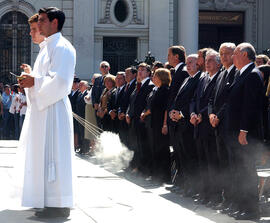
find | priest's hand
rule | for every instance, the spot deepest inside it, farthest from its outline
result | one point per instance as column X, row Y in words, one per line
column 28, row 81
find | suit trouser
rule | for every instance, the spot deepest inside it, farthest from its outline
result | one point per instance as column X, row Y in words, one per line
column 177, row 155
column 144, row 150
column 246, row 179
column 226, row 173
column 189, row 159
column 124, row 132
column 208, row 164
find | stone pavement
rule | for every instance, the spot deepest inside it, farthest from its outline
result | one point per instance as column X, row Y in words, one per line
column 102, row 197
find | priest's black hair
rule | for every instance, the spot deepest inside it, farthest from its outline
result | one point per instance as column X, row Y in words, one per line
column 54, row 13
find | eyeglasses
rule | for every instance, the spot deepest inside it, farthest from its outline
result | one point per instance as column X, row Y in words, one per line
column 104, row 66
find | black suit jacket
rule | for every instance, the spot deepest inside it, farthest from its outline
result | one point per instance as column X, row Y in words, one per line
column 124, row 103
column 183, row 100
column 114, row 102
column 177, row 79
column 80, row 104
column 138, row 100
column 73, row 99
column 199, row 105
column 97, row 90
column 218, row 100
column 158, row 105
column 244, row 106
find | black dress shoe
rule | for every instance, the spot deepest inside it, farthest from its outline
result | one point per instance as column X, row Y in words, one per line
column 188, row 193
column 247, row 216
column 195, row 196
column 201, row 201
column 219, row 206
column 230, row 209
column 234, row 214
column 211, row 204
column 49, row 212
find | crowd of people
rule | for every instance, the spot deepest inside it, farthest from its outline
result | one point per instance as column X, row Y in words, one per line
column 13, row 108
column 210, row 107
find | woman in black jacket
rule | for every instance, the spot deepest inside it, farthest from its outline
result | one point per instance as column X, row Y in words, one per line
column 160, row 137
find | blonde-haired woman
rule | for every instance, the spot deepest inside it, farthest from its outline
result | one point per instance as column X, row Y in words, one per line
column 102, row 112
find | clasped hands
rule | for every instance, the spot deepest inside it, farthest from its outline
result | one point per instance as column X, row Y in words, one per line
column 242, row 137
column 214, row 120
column 195, row 119
column 175, row 115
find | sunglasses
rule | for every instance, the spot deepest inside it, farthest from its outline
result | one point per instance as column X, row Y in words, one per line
column 104, row 66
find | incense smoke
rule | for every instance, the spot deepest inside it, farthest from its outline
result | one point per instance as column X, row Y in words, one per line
column 112, row 153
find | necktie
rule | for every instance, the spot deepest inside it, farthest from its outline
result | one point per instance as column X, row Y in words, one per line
column 207, row 81
column 172, row 71
column 236, row 77
column 226, row 74
column 126, row 88
column 185, row 83
column 117, row 94
column 138, row 87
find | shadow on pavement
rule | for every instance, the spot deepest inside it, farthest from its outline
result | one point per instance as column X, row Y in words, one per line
column 184, row 202
column 16, row 216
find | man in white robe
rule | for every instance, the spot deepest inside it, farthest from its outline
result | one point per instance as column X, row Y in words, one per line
column 47, row 133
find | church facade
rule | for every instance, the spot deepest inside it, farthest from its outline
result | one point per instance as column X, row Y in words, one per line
column 121, row 31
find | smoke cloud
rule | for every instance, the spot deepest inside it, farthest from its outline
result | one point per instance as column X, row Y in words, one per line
column 112, row 153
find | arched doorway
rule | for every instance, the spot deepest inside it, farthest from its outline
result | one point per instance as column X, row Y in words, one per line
column 15, row 44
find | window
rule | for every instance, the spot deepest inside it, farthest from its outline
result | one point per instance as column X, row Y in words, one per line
column 15, row 44
column 121, row 10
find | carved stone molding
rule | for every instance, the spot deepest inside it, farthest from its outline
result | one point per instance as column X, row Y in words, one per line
column 108, row 12
column 17, row 5
column 223, row 4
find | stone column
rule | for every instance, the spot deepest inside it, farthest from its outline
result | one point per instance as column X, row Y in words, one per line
column 188, row 28
column 159, row 29
column 83, row 28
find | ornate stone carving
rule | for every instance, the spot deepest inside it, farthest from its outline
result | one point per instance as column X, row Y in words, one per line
column 17, row 5
column 107, row 16
column 221, row 4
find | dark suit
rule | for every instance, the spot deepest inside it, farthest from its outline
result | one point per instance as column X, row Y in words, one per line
column 114, row 104
column 184, row 143
column 73, row 98
column 80, row 110
column 141, row 143
column 244, row 112
column 97, row 90
column 217, row 106
column 177, row 79
column 124, row 130
column 178, row 76
column 205, row 139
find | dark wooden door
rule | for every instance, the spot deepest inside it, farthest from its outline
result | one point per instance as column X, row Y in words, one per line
column 213, row 35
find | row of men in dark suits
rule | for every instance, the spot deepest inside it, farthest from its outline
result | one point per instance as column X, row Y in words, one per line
column 224, row 117
column 77, row 95
column 212, row 114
